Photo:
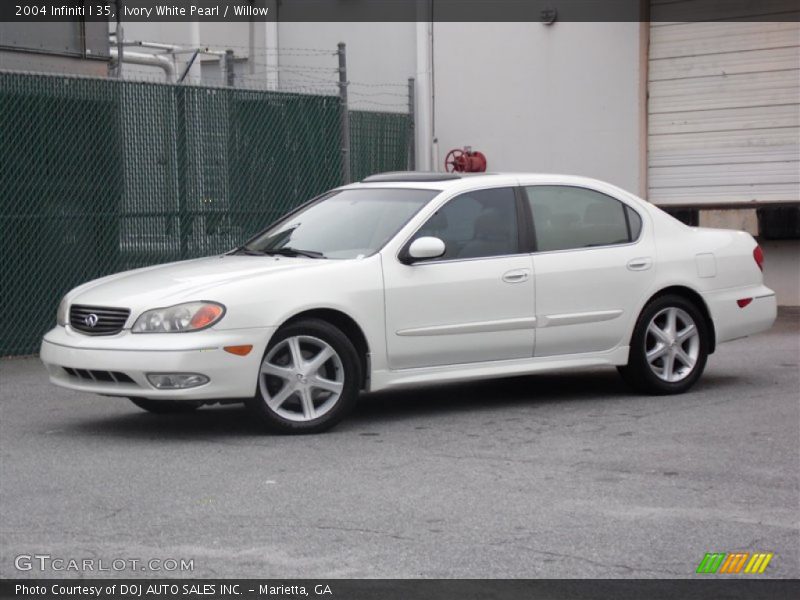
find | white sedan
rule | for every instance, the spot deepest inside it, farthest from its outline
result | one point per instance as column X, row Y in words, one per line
column 413, row 278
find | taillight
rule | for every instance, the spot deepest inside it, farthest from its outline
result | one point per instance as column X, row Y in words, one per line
column 758, row 255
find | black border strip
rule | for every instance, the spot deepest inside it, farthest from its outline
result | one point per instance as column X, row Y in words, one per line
column 732, row 588
column 541, row 11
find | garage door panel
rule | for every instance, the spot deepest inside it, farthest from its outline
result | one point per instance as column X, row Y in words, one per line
column 709, row 158
column 732, row 91
column 724, row 195
column 726, row 119
column 756, row 145
column 761, row 173
column 694, row 39
column 725, row 64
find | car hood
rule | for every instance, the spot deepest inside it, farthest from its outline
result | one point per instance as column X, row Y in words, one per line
column 182, row 281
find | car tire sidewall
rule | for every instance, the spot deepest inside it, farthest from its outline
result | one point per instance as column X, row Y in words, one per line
column 638, row 371
column 352, row 377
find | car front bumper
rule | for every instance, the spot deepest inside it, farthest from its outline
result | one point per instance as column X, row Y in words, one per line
column 94, row 363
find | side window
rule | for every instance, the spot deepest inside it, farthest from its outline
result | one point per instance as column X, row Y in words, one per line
column 566, row 217
column 635, row 222
column 476, row 224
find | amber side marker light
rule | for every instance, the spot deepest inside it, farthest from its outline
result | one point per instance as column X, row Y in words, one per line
column 238, row 350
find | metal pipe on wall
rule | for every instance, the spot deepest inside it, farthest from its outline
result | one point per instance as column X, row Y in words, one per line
column 150, row 60
column 424, row 85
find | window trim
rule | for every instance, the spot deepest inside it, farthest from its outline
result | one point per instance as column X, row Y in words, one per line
column 631, row 242
column 527, row 240
column 524, row 230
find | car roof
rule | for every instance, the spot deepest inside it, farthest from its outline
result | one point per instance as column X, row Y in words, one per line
column 466, row 181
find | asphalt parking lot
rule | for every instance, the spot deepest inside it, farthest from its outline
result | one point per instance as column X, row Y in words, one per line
column 567, row 475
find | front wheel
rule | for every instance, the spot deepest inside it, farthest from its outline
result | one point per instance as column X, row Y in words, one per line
column 669, row 347
column 308, row 380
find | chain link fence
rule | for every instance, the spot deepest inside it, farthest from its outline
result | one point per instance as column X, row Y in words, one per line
column 101, row 175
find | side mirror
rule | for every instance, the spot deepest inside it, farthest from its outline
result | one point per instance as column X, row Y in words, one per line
column 424, row 248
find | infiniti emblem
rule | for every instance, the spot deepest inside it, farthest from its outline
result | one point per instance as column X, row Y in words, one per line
column 90, row 320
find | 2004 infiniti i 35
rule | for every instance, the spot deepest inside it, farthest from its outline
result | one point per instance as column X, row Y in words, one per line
column 410, row 278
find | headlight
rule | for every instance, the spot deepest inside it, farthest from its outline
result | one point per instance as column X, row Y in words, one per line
column 62, row 314
column 191, row 316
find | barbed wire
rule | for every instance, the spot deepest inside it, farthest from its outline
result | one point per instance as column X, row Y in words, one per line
column 283, row 51
column 377, row 85
column 283, row 85
column 379, row 94
column 312, row 78
column 376, row 103
column 280, row 67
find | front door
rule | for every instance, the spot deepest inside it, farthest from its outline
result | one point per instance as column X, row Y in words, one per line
column 473, row 304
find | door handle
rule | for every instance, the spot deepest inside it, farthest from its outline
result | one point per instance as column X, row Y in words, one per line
column 516, row 276
column 640, row 264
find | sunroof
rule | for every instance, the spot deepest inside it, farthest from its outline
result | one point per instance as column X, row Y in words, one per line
column 410, row 176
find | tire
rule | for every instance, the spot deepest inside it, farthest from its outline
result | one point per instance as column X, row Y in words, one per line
column 666, row 358
column 166, row 407
column 309, row 378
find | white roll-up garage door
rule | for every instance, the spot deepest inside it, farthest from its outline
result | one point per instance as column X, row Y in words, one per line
column 724, row 113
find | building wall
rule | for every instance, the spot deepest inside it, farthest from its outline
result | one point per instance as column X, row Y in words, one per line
column 62, row 47
column 782, row 270
column 561, row 98
column 51, row 63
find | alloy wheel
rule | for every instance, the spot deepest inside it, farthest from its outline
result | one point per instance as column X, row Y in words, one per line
column 672, row 344
column 301, row 378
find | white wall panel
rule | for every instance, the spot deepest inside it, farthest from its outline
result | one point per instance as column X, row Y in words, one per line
column 562, row 99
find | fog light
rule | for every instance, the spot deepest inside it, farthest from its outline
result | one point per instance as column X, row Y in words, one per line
column 176, row 381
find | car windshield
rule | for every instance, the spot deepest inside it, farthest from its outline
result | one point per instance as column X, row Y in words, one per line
column 346, row 224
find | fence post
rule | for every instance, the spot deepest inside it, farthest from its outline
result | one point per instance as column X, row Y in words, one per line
column 230, row 74
column 182, row 163
column 412, row 129
column 120, row 34
column 344, row 113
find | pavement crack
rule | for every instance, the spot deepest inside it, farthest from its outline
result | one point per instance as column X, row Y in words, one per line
column 359, row 530
column 583, row 559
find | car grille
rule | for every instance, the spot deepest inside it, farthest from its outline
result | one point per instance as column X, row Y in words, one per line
column 107, row 321
column 98, row 376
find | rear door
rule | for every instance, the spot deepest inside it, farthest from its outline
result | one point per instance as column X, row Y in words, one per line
column 593, row 265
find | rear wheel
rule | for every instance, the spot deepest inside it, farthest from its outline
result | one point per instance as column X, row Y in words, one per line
column 669, row 347
column 166, row 407
column 308, row 380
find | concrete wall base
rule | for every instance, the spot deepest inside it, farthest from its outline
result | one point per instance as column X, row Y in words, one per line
column 782, row 269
